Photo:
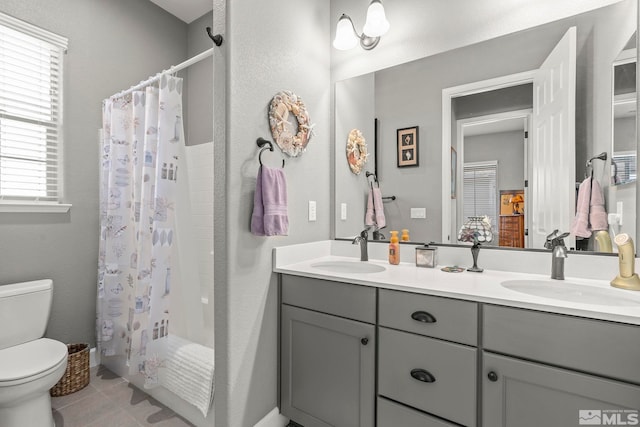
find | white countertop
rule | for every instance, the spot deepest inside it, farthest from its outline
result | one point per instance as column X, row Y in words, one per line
column 482, row 287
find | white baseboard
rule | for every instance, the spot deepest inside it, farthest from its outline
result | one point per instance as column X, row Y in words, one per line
column 94, row 359
column 273, row 419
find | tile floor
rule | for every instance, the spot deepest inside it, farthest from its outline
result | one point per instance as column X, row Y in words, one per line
column 110, row 401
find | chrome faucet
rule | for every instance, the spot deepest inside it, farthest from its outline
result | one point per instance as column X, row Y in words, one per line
column 363, row 240
column 558, row 253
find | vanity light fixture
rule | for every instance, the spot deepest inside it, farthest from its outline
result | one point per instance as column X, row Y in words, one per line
column 375, row 26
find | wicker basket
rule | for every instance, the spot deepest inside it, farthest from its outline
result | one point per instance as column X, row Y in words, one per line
column 76, row 376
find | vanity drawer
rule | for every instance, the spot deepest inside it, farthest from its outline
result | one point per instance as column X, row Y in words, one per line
column 341, row 299
column 600, row 347
column 405, row 362
column 445, row 318
column 391, row 414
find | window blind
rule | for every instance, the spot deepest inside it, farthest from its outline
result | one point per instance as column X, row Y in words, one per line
column 625, row 167
column 480, row 191
column 30, row 112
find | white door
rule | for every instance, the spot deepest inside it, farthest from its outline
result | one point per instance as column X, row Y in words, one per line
column 552, row 143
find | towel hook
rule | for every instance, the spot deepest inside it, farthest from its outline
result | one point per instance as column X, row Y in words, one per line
column 265, row 145
column 601, row 156
column 217, row 39
column 375, row 178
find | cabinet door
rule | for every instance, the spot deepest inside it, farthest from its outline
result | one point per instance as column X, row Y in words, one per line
column 524, row 394
column 328, row 368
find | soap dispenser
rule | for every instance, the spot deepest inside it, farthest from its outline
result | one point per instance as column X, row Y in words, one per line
column 627, row 278
column 394, row 249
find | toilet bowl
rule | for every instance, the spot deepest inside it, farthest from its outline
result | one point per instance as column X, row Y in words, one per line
column 29, row 365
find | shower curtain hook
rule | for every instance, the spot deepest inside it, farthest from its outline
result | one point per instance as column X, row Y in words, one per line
column 217, row 39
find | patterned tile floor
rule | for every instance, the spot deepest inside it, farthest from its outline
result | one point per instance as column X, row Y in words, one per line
column 110, row 401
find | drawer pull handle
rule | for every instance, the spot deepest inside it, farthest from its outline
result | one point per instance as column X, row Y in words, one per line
column 364, row 341
column 422, row 375
column 492, row 376
column 423, row 316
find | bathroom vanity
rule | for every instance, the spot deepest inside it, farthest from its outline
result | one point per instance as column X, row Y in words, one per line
column 410, row 346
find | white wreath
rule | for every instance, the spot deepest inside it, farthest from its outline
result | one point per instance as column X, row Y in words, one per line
column 356, row 151
column 282, row 131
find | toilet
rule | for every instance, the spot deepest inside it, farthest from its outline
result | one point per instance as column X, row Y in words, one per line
column 29, row 364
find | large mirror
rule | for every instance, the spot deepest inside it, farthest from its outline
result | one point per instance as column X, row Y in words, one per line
column 472, row 108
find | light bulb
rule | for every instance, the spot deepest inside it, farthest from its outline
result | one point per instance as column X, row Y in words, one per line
column 345, row 34
column 376, row 24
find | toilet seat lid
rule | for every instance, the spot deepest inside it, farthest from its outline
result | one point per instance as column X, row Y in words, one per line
column 31, row 358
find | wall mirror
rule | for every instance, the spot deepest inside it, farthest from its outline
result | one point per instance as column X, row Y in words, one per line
column 491, row 124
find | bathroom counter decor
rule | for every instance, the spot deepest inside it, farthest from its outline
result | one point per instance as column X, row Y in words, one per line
column 532, row 268
column 76, row 376
column 356, row 151
column 290, row 142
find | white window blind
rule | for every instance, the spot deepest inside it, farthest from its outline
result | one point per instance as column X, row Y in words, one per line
column 625, row 167
column 480, row 191
column 30, row 113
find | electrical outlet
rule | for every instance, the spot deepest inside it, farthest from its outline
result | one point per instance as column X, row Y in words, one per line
column 420, row 213
column 343, row 211
column 312, row 210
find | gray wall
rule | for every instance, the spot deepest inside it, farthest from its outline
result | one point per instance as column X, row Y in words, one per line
column 271, row 45
column 355, row 109
column 505, row 147
column 112, row 45
column 199, row 93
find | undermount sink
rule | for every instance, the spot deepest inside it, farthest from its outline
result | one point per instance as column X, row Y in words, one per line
column 348, row 267
column 567, row 291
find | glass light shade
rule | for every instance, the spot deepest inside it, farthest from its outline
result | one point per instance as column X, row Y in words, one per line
column 476, row 229
column 376, row 24
column 345, row 34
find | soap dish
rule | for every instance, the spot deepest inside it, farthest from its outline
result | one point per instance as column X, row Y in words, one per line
column 454, row 269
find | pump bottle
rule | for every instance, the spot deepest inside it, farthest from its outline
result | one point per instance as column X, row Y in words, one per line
column 394, row 249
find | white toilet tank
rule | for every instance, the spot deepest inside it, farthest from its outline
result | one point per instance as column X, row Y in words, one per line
column 24, row 311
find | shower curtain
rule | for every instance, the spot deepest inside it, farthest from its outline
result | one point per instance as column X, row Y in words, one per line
column 141, row 145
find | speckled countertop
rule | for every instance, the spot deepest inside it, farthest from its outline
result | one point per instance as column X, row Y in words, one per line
column 623, row 306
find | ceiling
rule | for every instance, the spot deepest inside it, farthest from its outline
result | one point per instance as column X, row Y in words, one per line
column 186, row 10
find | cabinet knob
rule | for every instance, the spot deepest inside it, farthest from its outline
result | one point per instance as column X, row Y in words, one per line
column 492, row 376
column 423, row 316
column 364, row 341
column 423, row 375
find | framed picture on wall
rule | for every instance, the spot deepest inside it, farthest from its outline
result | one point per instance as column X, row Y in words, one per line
column 454, row 172
column 407, row 147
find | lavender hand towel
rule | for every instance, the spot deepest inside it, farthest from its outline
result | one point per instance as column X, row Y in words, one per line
column 597, row 214
column 369, row 216
column 269, row 216
column 580, row 223
column 381, row 221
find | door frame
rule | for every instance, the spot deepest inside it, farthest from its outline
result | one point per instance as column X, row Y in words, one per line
column 462, row 124
column 447, row 122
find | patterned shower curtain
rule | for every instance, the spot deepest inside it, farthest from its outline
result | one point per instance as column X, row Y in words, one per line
column 142, row 143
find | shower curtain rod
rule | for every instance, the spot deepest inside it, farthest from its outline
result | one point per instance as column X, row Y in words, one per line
column 170, row 70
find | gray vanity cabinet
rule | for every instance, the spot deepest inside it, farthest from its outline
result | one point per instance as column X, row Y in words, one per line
column 542, row 369
column 427, row 360
column 327, row 356
column 357, row 356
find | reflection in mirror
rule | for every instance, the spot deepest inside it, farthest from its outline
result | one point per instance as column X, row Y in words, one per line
column 410, row 95
column 622, row 192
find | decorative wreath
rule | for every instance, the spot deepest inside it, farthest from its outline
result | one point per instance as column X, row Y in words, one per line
column 282, row 130
column 356, row 151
